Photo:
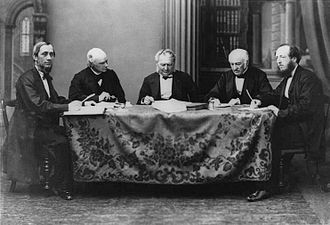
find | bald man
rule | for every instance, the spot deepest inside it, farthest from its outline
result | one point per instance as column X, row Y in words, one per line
column 235, row 85
column 97, row 79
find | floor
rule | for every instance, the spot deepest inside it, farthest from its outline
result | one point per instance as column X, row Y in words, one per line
column 120, row 203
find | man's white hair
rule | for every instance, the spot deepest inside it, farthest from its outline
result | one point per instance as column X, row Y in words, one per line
column 95, row 53
column 239, row 53
column 165, row 52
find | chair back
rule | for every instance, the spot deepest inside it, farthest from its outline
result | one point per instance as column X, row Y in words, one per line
column 4, row 105
column 326, row 107
column 326, row 101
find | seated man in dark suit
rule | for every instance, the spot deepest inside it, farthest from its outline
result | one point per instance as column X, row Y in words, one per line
column 235, row 85
column 167, row 82
column 298, row 104
column 34, row 128
column 97, row 79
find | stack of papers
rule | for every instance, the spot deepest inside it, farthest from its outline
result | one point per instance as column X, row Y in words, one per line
column 170, row 106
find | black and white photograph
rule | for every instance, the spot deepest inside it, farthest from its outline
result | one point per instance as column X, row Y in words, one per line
column 165, row 112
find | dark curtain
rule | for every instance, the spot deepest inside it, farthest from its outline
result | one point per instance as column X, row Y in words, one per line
column 316, row 17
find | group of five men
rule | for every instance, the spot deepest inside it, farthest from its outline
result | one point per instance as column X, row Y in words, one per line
column 35, row 129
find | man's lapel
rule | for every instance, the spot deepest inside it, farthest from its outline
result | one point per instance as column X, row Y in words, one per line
column 294, row 79
column 40, row 85
column 231, row 87
column 156, row 86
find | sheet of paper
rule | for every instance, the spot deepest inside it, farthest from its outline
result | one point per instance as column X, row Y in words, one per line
column 107, row 105
column 170, row 106
column 87, row 110
column 222, row 105
column 253, row 109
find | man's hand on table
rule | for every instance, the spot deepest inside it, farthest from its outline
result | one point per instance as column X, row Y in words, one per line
column 216, row 102
column 147, row 100
column 255, row 103
column 104, row 96
column 89, row 103
column 274, row 109
column 234, row 101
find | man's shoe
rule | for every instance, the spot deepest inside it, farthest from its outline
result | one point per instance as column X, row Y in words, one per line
column 325, row 187
column 258, row 196
column 64, row 194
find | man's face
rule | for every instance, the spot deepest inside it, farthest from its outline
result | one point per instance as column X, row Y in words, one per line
column 284, row 62
column 238, row 65
column 44, row 59
column 100, row 64
column 165, row 65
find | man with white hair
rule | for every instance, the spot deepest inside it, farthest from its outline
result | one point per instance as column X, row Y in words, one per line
column 241, row 83
column 97, row 79
column 166, row 82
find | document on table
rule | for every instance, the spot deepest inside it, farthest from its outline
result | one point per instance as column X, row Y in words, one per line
column 86, row 110
column 196, row 106
column 253, row 109
column 170, row 106
column 223, row 105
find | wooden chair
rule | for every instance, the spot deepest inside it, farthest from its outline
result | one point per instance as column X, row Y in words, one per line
column 302, row 150
column 325, row 185
column 44, row 165
column 4, row 105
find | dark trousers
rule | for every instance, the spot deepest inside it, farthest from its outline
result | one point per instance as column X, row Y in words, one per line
column 52, row 142
column 285, row 135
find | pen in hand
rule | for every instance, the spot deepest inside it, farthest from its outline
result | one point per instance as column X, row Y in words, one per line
column 248, row 93
column 88, row 97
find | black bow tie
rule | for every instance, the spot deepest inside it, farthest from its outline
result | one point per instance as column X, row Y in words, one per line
column 98, row 77
column 286, row 75
column 46, row 76
column 241, row 76
column 169, row 76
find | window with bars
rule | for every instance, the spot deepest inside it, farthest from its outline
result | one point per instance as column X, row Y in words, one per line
column 25, row 37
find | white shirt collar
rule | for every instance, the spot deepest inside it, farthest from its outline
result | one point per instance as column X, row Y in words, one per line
column 41, row 74
column 96, row 73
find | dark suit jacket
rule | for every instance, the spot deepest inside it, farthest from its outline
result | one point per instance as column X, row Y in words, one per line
column 84, row 84
column 183, row 87
column 34, row 110
column 304, row 107
column 255, row 82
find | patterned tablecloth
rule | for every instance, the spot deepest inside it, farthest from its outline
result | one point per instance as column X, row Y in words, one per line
column 143, row 145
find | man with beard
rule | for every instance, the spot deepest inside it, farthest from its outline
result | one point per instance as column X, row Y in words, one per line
column 167, row 82
column 239, row 84
column 97, row 79
column 34, row 129
column 298, row 104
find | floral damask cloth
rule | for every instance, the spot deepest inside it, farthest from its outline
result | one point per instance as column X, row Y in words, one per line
column 143, row 145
